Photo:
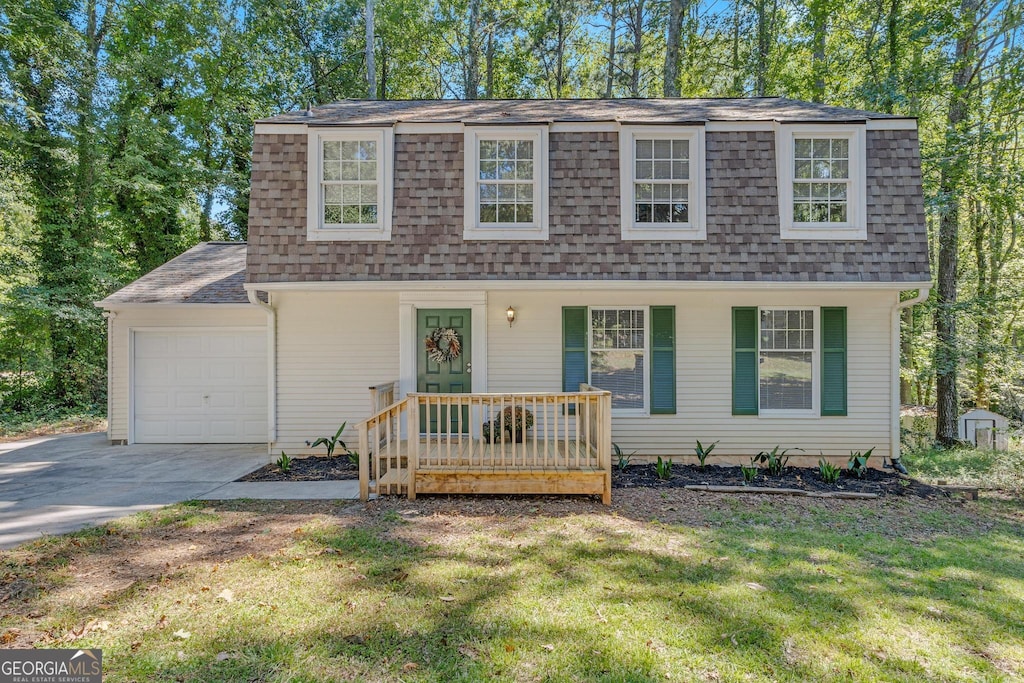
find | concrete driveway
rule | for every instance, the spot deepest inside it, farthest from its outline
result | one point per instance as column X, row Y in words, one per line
column 52, row 485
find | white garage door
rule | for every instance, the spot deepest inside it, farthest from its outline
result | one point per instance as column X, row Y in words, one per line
column 200, row 387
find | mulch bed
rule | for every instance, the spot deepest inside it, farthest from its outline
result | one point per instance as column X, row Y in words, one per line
column 310, row 468
column 804, row 478
column 322, row 468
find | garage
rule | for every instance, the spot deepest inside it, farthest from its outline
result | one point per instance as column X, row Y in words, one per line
column 199, row 386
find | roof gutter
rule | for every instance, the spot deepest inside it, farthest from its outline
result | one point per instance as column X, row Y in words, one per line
column 254, row 299
column 894, row 400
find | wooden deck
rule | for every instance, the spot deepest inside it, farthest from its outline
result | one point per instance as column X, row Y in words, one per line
column 566, row 451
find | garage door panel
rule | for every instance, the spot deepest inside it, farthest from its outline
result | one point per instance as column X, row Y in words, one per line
column 151, row 401
column 200, row 387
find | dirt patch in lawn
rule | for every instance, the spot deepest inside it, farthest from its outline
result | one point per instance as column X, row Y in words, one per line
column 804, row 478
column 310, row 468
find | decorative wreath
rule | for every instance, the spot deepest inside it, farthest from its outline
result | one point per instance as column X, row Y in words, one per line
column 443, row 345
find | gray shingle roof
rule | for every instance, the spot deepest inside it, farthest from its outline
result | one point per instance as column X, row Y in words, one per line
column 208, row 273
column 388, row 112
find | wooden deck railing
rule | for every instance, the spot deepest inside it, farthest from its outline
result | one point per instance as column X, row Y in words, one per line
column 381, row 396
column 502, row 438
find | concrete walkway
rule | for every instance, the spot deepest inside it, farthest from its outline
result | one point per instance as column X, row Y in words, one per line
column 53, row 485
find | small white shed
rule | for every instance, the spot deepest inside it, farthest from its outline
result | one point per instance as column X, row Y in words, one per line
column 976, row 420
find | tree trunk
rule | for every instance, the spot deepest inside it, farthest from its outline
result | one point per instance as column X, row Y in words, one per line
column 613, row 21
column 472, row 65
column 737, row 70
column 819, row 30
column 672, row 42
column 638, row 41
column 371, row 61
column 947, row 356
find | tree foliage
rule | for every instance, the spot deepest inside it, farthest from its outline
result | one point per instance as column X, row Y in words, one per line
column 126, row 129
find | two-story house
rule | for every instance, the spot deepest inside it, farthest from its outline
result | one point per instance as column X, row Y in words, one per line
column 730, row 270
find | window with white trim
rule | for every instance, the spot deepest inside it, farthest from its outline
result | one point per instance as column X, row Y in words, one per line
column 662, row 182
column 506, row 183
column 618, row 356
column 787, row 359
column 350, row 185
column 822, row 182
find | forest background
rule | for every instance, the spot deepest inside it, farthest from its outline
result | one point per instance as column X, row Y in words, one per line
column 126, row 130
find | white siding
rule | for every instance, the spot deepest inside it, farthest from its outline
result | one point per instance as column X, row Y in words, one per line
column 157, row 317
column 331, row 347
column 529, row 357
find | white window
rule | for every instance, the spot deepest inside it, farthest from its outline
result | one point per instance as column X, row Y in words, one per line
column 506, row 183
column 787, row 361
column 822, row 182
column 350, row 185
column 662, row 182
column 618, row 356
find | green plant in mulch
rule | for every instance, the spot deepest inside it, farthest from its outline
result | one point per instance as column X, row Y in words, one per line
column 621, row 459
column 663, row 468
column 332, row 442
column 774, row 461
column 749, row 472
column 858, row 463
column 703, row 452
column 829, row 472
column 284, row 463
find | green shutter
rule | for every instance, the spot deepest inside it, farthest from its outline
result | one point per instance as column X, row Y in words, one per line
column 574, row 348
column 833, row 361
column 663, row 360
column 744, row 361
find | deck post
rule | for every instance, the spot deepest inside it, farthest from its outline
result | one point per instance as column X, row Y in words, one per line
column 364, row 462
column 413, row 441
column 605, row 446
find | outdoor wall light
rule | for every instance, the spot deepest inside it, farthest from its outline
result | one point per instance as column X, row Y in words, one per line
column 511, row 315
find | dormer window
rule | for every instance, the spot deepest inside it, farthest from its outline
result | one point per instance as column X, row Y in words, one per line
column 350, row 188
column 822, row 182
column 662, row 182
column 506, row 183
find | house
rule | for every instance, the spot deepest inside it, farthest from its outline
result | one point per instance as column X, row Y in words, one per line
column 727, row 270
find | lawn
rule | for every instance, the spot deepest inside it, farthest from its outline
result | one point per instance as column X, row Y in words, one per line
column 671, row 585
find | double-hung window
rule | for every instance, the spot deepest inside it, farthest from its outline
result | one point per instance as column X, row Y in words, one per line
column 822, row 182
column 662, row 182
column 350, row 185
column 506, row 183
column 618, row 355
column 786, row 359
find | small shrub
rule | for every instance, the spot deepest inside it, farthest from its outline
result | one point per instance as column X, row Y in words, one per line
column 284, row 463
column 829, row 472
column 749, row 472
column 703, row 453
column 772, row 460
column 621, row 459
column 331, row 442
column 663, row 468
column 353, row 457
column 858, row 463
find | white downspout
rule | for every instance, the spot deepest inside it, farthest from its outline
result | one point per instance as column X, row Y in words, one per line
column 894, row 399
column 110, row 315
column 254, row 299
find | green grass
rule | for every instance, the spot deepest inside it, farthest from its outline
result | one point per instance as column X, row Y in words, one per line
column 745, row 590
column 970, row 467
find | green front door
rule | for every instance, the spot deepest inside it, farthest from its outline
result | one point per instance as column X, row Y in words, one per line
column 444, row 376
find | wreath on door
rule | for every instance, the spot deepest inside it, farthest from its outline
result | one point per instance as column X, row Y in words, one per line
column 443, row 345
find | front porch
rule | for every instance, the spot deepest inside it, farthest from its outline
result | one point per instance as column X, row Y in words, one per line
column 530, row 443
